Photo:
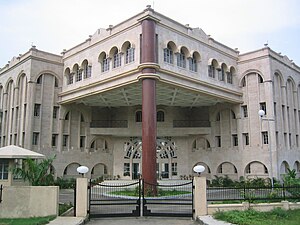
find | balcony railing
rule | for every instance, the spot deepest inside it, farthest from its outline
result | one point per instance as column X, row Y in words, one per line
column 191, row 123
column 109, row 124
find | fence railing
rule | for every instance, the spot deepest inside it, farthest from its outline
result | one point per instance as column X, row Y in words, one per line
column 252, row 193
column 1, row 188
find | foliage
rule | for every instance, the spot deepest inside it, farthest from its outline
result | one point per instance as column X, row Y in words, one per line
column 65, row 183
column 27, row 221
column 251, row 217
column 64, row 208
column 290, row 178
column 36, row 172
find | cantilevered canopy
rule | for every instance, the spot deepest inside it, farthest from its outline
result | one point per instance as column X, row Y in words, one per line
column 15, row 152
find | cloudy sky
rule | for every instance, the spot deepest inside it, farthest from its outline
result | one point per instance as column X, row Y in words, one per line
column 54, row 25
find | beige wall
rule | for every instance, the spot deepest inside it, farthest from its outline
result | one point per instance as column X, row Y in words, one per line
column 29, row 201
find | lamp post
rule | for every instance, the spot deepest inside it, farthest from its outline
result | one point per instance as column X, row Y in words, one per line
column 262, row 114
column 199, row 169
column 82, row 170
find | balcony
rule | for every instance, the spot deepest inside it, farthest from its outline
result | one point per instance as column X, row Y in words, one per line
column 109, row 124
column 191, row 123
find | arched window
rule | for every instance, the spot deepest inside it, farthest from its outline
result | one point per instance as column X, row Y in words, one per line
column 168, row 54
column 87, row 69
column 117, row 59
column 67, row 116
column 222, row 72
column 160, row 116
column 55, row 82
column 181, row 59
column 78, row 73
column 260, row 79
column 138, row 116
column 129, row 54
column 212, row 67
column 104, row 60
column 40, row 79
column 193, row 63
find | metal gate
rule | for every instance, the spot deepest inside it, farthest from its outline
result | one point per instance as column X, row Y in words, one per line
column 113, row 200
column 169, row 200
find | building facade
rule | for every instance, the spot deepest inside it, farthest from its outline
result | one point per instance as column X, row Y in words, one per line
column 90, row 105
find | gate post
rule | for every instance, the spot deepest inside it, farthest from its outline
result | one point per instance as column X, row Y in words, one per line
column 81, row 197
column 200, row 199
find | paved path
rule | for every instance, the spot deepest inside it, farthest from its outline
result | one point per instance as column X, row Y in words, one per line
column 204, row 220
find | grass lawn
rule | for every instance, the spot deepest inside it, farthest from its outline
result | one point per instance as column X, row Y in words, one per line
column 251, row 217
column 27, row 221
column 134, row 192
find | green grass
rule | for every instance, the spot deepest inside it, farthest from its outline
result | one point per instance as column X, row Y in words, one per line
column 130, row 192
column 251, row 217
column 27, row 221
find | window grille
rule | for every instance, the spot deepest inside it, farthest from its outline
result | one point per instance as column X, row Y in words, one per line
column 117, row 60
column 168, row 55
column 129, row 55
column 105, row 65
column 181, row 60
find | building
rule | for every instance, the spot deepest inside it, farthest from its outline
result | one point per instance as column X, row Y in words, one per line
column 85, row 105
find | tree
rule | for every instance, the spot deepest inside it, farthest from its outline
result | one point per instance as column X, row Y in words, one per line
column 36, row 172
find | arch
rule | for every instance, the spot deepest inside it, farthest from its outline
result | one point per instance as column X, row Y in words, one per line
column 171, row 45
column 99, row 144
column 284, row 167
column 70, row 170
column 67, row 115
column 113, row 51
column 184, row 50
column 99, row 170
column 224, row 67
column 213, row 62
column 84, row 63
column 297, row 166
column 8, row 83
column 102, row 56
column 20, row 76
column 243, row 82
column 256, row 169
column 226, row 168
column 279, row 74
column 126, row 45
column 200, row 143
column 75, row 68
column 196, row 55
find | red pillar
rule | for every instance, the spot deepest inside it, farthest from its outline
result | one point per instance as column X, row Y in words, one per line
column 148, row 103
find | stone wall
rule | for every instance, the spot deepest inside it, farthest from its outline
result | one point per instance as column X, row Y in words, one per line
column 29, row 201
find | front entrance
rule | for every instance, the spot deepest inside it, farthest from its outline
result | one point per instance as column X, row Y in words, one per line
column 134, row 199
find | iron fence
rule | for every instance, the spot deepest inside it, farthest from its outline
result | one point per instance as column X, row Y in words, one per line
column 1, row 188
column 253, row 193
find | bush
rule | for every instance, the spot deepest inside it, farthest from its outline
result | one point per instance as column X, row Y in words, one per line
column 65, row 183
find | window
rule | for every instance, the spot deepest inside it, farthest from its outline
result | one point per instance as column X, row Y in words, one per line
column 87, row 71
column 260, row 80
column 160, row 116
column 290, row 140
column 265, row 138
column 168, row 55
column 218, row 141
column 79, row 75
column 55, row 111
column 54, row 140
column 181, row 59
column 129, row 55
column 174, row 169
column 35, row 138
column 37, row 110
column 105, row 65
column 3, row 169
column 229, row 78
column 218, row 117
column 221, row 74
column 235, row 140
column 126, row 169
column 67, row 116
column 248, row 169
column 55, row 82
column 262, row 106
column 117, row 60
column 246, row 138
column 244, row 82
column 193, row 64
column 245, row 111
column 39, row 80
column 82, row 141
column 71, row 78
column 211, row 71
column 297, row 140
column 138, row 116
column 65, row 140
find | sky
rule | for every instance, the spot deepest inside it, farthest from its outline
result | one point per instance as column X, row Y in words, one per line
column 54, row 25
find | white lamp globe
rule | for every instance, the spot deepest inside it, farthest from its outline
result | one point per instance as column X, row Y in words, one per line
column 82, row 169
column 261, row 113
column 199, row 169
